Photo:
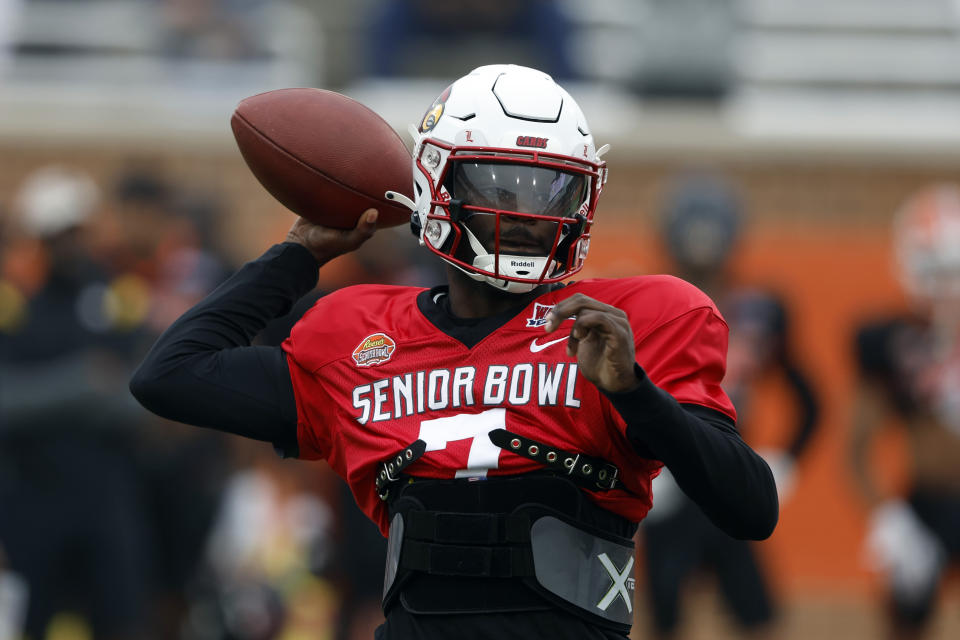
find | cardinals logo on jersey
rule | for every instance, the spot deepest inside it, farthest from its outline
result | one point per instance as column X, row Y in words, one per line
column 374, row 349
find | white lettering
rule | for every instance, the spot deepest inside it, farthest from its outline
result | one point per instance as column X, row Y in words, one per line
column 549, row 383
column 423, row 391
column 495, row 387
column 419, row 391
column 463, row 383
column 380, row 399
column 359, row 402
column 525, row 372
column 403, row 387
column 439, row 381
column 571, row 400
column 620, row 583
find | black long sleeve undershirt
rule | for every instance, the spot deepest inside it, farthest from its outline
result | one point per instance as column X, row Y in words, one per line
column 203, row 371
column 730, row 482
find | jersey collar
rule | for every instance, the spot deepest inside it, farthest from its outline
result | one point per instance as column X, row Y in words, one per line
column 434, row 304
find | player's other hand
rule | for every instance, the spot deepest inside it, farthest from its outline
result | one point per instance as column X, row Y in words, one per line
column 601, row 339
column 326, row 243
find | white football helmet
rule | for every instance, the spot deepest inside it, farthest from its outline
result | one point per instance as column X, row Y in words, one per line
column 54, row 199
column 505, row 141
column 927, row 243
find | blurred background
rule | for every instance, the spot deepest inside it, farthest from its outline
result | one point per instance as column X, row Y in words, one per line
column 797, row 159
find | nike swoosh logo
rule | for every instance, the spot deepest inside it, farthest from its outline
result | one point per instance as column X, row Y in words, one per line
column 537, row 348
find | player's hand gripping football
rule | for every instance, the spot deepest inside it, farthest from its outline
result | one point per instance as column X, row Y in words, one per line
column 326, row 243
column 602, row 340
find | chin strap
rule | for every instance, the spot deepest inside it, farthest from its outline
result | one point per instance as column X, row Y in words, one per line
column 513, row 265
column 410, row 204
column 396, row 196
column 485, row 260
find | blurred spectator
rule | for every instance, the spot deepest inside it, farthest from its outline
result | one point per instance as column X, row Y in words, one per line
column 167, row 236
column 125, row 502
column 269, row 540
column 439, row 38
column 909, row 367
column 701, row 224
column 357, row 570
column 164, row 237
column 138, row 216
column 71, row 517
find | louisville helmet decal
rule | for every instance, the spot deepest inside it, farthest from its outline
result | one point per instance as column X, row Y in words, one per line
column 432, row 116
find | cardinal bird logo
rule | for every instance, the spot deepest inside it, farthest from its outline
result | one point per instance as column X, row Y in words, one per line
column 432, row 116
column 374, row 349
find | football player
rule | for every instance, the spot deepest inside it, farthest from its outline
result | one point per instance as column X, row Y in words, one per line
column 702, row 219
column 910, row 372
column 502, row 429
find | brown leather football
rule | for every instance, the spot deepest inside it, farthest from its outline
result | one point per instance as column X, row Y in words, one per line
column 324, row 156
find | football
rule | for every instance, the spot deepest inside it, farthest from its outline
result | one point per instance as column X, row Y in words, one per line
column 324, row 156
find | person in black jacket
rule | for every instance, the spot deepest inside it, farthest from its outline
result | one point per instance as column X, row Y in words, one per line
column 702, row 218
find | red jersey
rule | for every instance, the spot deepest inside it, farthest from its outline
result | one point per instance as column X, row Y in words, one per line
column 372, row 373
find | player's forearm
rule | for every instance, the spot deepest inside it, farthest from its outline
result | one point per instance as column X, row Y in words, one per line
column 711, row 463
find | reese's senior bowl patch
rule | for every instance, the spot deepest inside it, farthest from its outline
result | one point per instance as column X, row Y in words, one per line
column 374, row 349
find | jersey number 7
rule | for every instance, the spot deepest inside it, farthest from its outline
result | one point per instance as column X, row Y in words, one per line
column 484, row 455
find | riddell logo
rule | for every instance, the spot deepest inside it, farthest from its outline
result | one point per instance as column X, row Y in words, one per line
column 532, row 141
column 373, row 350
column 522, row 263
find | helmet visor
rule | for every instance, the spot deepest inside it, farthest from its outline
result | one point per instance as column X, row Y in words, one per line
column 516, row 187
